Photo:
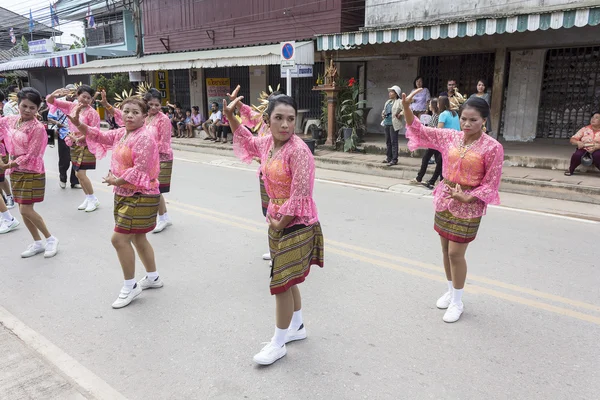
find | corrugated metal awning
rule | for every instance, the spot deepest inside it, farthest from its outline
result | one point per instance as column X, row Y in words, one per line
column 60, row 61
column 478, row 27
column 241, row 56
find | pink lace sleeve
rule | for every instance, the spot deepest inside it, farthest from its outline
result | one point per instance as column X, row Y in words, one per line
column 3, row 127
column 246, row 146
column 250, row 118
column 420, row 137
column 97, row 137
column 487, row 191
column 118, row 114
column 62, row 105
column 301, row 204
column 34, row 159
column 145, row 159
column 163, row 140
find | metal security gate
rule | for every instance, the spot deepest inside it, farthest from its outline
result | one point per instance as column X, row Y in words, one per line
column 301, row 87
column 237, row 76
column 466, row 69
column 179, row 82
column 570, row 91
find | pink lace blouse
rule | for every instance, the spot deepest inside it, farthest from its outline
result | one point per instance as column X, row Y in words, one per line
column 160, row 127
column 289, row 175
column 134, row 158
column 479, row 167
column 88, row 116
column 26, row 144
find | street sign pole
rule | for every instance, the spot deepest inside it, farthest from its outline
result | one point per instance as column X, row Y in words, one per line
column 288, row 81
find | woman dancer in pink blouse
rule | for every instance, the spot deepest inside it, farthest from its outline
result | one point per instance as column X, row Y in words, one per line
column 472, row 171
column 83, row 154
column 159, row 125
column 295, row 236
column 25, row 139
column 134, row 175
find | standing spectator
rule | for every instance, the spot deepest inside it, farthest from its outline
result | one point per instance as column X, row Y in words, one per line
column 392, row 122
column 484, row 94
column 448, row 118
column 433, row 107
column 58, row 121
column 10, row 106
column 182, row 126
column 210, row 125
column 421, row 99
column 178, row 117
column 456, row 99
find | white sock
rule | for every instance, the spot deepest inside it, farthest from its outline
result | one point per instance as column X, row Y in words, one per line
column 165, row 217
column 296, row 320
column 39, row 243
column 457, row 296
column 129, row 284
column 88, row 197
column 279, row 337
column 162, row 217
column 152, row 275
column 7, row 216
column 450, row 287
column 50, row 239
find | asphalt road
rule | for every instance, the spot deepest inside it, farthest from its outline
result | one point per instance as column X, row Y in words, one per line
column 532, row 302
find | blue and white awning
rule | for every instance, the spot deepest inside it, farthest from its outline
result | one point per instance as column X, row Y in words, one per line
column 478, row 27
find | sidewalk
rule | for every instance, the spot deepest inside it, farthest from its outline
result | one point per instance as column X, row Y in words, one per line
column 25, row 375
column 540, row 175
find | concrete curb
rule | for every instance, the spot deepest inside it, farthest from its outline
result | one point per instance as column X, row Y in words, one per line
column 532, row 187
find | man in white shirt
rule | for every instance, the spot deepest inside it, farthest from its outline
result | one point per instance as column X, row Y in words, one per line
column 10, row 107
column 210, row 126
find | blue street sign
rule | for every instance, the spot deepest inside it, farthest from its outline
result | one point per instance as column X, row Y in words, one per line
column 287, row 51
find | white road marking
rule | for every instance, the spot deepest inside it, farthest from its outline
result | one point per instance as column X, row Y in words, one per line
column 68, row 366
column 376, row 189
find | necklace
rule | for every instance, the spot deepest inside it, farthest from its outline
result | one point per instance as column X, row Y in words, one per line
column 20, row 123
column 463, row 149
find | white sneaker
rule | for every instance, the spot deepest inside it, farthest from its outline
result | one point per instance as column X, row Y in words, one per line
column 127, row 296
column 454, row 312
column 83, row 205
column 444, row 301
column 62, row 185
column 269, row 354
column 10, row 202
column 162, row 225
column 92, row 205
column 267, row 256
column 51, row 248
column 146, row 283
column 299, row 334
column 32, row 250
column 7, row 226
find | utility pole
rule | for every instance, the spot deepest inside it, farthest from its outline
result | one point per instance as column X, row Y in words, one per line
column 137, row 21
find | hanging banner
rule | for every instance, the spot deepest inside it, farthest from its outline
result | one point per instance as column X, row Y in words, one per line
column 217, row 89
column 162, row 84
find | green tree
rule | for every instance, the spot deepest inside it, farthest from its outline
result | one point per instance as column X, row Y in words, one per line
column 115, row 84
column 79, row 42
column 24, row 44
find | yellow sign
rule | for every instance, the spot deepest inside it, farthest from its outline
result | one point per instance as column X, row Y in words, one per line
column 162, row 84
column 217, row 89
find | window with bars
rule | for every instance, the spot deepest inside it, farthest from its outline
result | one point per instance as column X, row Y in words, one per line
column 108, row 29
column 179, row 82
column 305, row 97
column 570, row 91
column 466, row 69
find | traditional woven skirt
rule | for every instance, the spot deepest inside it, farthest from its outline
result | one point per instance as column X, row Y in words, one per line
column 293, row 251
column 5, row 160
column 136, row 214
column 82, row 158
column 264, row 197
column 459, row 230
column 164, row 176
column 28, row 188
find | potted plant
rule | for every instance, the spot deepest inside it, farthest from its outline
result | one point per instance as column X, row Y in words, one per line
column 350, row 115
